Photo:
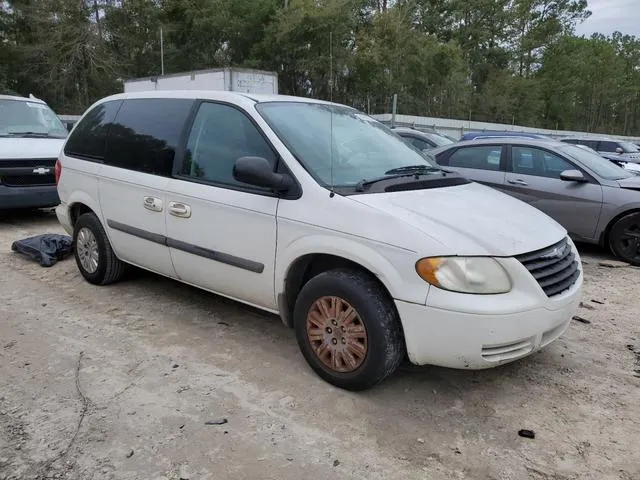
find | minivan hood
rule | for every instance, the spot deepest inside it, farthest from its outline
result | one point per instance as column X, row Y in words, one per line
column 18, row 148
column 470, row 219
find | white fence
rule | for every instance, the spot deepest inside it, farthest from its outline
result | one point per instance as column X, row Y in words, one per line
column 456, row 128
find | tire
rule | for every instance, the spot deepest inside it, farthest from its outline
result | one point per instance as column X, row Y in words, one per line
column 108, row 268
column 623, row 245
column 363, row 359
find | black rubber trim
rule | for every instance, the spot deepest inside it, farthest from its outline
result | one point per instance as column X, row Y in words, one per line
column 137, row 232
column 216, row 256
column 221, row 257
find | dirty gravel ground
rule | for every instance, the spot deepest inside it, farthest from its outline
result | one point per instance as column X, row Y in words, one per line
column 117, row 383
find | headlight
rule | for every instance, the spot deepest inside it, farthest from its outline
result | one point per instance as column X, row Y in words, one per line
column 480, row 275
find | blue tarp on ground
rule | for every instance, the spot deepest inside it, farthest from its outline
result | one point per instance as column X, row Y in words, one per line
column 46, row 249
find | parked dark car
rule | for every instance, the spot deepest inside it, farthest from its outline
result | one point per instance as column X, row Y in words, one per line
column 478, row 135
column 594, row 199
column 423, row 140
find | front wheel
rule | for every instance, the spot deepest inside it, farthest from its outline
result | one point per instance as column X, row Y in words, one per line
column 348, row 329
column 624, row 238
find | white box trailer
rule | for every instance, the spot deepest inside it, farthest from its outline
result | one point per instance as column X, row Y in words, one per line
column 229, row 79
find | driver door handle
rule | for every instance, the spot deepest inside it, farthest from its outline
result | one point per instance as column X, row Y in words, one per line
column 517, row 181
column 178, row 209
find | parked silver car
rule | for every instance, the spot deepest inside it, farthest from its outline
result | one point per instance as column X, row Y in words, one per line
column 594, row 199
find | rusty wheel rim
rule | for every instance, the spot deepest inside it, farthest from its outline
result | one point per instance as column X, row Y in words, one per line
column 337, row 334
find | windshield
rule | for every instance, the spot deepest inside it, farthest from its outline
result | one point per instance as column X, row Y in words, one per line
column 629, row 147
column 594, row 162
column 18, row 117
column 440, row 140
column 338, row 145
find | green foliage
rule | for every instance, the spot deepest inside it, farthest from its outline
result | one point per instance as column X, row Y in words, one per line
column 508, row 61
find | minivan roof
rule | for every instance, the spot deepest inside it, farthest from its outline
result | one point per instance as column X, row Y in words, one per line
column 213, row 95
column 21, row 99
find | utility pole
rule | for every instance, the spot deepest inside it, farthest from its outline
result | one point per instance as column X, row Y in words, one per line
column 331, row 66
column 161, row 52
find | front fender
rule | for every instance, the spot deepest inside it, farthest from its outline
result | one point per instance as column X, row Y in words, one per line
column 393, row 266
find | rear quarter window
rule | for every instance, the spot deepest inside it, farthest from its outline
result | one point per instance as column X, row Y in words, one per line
column 88, row 139
column 146, row 134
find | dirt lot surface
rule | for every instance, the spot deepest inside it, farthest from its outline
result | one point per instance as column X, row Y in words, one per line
column 117, row 383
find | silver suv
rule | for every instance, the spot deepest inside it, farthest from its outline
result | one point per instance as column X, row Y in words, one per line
column 618, row 151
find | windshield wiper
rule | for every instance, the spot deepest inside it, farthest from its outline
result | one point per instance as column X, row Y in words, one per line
column 31, row 134
column 413, row 169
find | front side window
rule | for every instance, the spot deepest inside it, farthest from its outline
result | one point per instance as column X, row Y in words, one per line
column 609, row 147
column 338, row 145
column 88, row 139
column 146, row 134
column 23, row 118
column 479, row 158
column 537, row 162
column 219, row 137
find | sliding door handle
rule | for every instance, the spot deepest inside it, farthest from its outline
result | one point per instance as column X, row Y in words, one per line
column 178, row 209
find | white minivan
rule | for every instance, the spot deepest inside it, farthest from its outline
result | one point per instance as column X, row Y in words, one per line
column 31, row 138
column 318, row 213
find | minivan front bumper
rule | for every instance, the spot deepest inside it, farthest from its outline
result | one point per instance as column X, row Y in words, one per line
column 449, row 338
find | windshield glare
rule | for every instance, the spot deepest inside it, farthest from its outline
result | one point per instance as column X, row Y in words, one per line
column 22, row 117
column 338, row 145
column 594, row 162
column 629, row 147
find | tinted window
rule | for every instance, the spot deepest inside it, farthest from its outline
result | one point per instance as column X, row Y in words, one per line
column 480, row 158
column 540, row 163
column 221, row 135
column 146, row 134
column 88, row 139
column 608, row 146
column 569, row 140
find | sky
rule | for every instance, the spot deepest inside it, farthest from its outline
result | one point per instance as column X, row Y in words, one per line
column 607, row 16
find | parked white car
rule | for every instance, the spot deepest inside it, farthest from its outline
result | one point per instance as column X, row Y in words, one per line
column 31, row 138
column 322, row 215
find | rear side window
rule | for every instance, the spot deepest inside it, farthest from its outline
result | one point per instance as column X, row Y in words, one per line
column 146, row 134
column 89, row 138
column 479, row 158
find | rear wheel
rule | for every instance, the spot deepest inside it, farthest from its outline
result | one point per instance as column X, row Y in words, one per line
column 94, row 256
column 624, row 238
column 348, row 329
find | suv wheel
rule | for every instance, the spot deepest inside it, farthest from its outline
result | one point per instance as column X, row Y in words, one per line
column 348, row 329
column 95, row 258
column 624, row 238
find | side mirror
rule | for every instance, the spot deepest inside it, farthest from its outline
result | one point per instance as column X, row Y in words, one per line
column 619, row 150
column 259, row 172
column 572, row 176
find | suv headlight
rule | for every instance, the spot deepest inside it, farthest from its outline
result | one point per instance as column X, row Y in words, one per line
column 479, row 275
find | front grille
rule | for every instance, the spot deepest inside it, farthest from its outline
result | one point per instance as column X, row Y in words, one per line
column 27, row 163
column 555, row 267
column 28, row 180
